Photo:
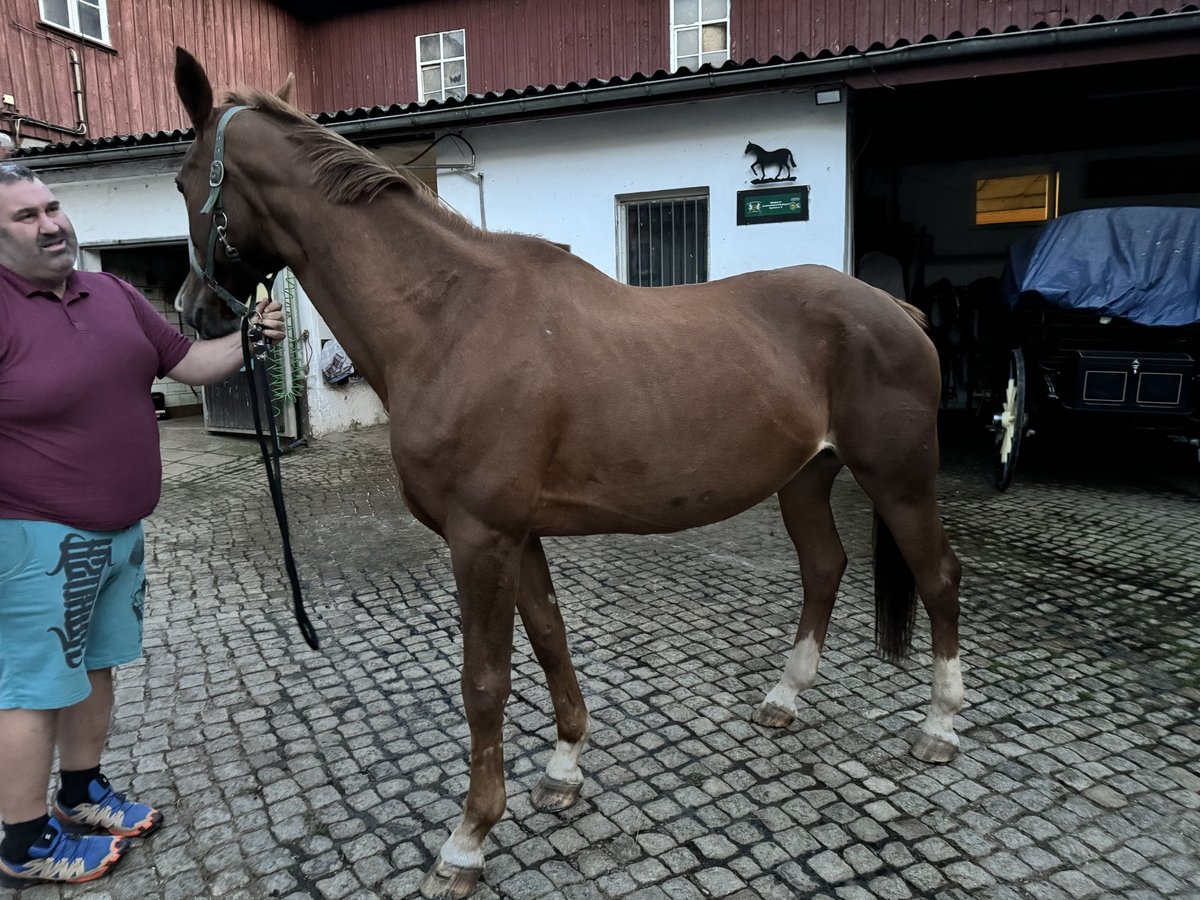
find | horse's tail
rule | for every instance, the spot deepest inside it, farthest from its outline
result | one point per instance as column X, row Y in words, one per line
column 791, row 159
column 895, row 595
column 915, row 314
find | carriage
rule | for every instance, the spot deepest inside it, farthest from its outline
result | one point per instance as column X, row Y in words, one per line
column 1103, row 328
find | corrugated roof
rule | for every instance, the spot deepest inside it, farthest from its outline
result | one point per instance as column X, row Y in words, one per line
column 533, row 92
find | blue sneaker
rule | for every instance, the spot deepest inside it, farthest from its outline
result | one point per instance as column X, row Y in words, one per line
column 59, row 855
column 109, row 811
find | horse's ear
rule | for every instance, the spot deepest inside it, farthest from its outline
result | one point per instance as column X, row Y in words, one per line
column 193, row 87
column 285, row 92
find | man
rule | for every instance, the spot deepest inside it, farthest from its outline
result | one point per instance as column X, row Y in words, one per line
column 79, row 470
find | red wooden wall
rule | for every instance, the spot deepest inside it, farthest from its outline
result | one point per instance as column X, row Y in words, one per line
column 128, row 87
column 366, row 58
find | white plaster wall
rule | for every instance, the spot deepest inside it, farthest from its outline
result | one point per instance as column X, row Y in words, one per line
column 331, row 408
column 131, row 209
column 560, row 178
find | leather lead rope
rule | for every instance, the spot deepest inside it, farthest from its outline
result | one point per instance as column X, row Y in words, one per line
column 207, row 274
column 256, row 376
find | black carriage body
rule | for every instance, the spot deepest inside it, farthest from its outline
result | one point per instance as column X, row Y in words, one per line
column 1108, row 371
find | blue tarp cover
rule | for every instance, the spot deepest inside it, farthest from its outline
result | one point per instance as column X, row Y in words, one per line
column 1138, row 262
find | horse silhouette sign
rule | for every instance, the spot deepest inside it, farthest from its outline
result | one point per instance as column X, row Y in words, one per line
column 781, row 159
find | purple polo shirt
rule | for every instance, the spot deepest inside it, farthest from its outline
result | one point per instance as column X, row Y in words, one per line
column 78, row 434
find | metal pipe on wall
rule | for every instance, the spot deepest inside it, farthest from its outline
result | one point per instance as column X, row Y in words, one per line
column 77, row 95
column 476, row 177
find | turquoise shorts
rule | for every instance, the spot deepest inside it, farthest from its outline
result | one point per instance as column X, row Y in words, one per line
column 70, row 602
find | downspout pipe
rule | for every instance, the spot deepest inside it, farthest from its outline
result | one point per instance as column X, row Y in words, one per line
column 476, row 177
column 80, row 127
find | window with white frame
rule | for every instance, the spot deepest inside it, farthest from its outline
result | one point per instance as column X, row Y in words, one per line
column 85, row 17
column 442, row 65
column 663, row 238
column 699, row 33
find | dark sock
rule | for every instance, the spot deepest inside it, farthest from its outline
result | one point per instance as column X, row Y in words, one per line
column 75, row 785
column 20, row 836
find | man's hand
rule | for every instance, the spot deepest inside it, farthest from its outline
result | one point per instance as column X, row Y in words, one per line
column 268, row 315
column 209, row 361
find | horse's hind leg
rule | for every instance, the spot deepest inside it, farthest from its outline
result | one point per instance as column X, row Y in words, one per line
column 559, row 787
column 918, row 533
column 901, row 484
column 804, row 502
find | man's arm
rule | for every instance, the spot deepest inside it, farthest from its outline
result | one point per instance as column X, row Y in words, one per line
column 209, row 361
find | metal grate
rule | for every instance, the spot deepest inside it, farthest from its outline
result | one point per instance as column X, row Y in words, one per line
column 666, row 240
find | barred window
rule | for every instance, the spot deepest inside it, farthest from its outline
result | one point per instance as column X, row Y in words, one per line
column 664, row 238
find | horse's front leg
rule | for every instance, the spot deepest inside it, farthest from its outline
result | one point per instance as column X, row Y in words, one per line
column 487, row 570
column 559, row 787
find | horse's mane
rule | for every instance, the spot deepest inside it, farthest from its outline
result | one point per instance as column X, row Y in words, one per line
column 343, row 171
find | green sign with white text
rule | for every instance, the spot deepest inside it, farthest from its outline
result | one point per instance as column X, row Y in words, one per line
column 788, row 204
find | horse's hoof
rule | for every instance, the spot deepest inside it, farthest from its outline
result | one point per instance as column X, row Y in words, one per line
column 772, row 715
column 446, row 882
column 931, row 749
column 552, row 795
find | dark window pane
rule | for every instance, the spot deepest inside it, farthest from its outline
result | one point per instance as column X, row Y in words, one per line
column 666, row 241
column 56, row 11
column 431, row 80
column 89, row 21
column 431, row 47
column 685, row 12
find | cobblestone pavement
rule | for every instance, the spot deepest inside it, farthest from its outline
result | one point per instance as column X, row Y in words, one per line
column 285, row 772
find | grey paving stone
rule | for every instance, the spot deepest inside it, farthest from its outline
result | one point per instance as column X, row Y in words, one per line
column 287, row 772
column 719, row 882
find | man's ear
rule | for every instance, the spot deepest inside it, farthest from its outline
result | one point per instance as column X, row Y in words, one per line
column 191, row 83
column 285, row 92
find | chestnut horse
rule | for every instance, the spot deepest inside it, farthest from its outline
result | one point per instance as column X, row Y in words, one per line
column 532, row 395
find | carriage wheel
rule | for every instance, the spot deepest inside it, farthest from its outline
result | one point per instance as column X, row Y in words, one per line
column 1009, row 423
